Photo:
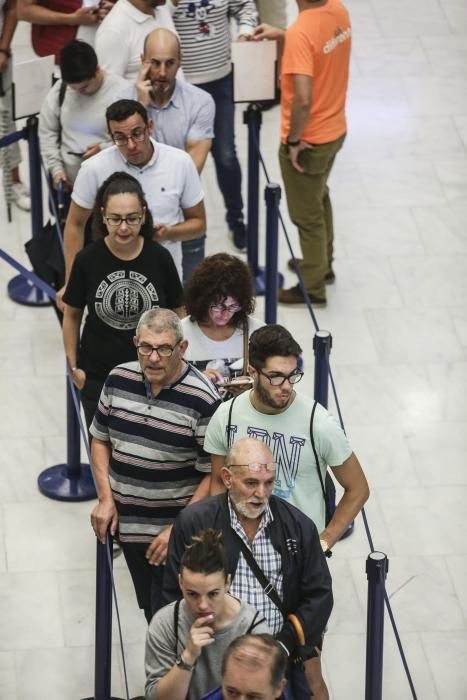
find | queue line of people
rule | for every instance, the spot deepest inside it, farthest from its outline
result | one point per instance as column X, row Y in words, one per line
column 176, row 466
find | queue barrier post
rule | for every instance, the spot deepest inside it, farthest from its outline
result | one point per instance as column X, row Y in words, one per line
column 377, row 565
column 272, row 196
column 70, row 481
column 19, row 288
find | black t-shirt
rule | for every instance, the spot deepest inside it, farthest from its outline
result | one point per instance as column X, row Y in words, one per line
column 116, row 292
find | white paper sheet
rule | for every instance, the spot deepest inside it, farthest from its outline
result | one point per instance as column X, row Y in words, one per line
column 32, row 80
column 254, row 68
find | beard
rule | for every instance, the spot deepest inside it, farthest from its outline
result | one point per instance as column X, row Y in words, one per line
column 245, row 508
column 267, row 400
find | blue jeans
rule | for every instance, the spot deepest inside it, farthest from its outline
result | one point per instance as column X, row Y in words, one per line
column 229, row 174
column 193, row 254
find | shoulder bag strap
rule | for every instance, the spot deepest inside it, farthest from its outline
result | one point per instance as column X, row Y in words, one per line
column 266, row 585
column 245, row 347
column 313, row 446
column 255, row 622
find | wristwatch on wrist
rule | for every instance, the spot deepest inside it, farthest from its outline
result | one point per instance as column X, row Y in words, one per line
column 293, row 143
column 325, row 547
column 179, row 661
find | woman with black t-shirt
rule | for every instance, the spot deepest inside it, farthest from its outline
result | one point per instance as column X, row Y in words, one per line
column 116, row 278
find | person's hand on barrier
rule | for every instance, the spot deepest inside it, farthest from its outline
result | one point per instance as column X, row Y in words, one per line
column 294, row 153
column 201, row 635
column 61, row 176
column 156, row 553
column 103, row 517
column 267, row 31
column 143, row 84
column 91, row 150
column 86, row 16
column 79, row 378
column 244, row 37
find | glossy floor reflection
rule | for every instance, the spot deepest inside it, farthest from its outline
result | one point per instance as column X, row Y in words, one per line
column 398, row 316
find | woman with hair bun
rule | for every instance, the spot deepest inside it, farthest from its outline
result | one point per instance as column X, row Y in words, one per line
column 118, row 277
column 219, row 300
column 187, row 639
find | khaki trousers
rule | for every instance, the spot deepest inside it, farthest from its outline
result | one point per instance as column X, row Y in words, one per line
column 311, row 211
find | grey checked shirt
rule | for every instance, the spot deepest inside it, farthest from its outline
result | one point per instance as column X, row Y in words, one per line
column 245, row 584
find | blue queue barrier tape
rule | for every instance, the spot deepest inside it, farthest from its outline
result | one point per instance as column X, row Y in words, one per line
column 71, row 481
column 13, row 138
column 19, row 289
column 272, row 196
column 377, row 566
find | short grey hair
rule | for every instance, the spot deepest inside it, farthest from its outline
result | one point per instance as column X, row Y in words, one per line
column 159, row 320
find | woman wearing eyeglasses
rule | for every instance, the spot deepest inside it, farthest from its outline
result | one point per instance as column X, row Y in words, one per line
column 219, row 300
column 116, row 278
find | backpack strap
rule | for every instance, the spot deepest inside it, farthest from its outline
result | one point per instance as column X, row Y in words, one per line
column 313, row 446
column 255, row 622
column 229, row 423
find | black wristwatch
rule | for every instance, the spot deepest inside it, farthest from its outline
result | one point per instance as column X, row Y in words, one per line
column 183, row 664
column 293, row 143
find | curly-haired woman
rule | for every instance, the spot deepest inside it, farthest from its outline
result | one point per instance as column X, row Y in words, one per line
column 219, row 300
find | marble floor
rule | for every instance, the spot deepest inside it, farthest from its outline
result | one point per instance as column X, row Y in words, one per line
column 398, row 317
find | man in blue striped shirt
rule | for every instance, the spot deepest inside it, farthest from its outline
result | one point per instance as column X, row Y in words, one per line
column 147, row 449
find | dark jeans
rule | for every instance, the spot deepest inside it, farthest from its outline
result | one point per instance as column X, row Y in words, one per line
column 193, row 254
column 229, row 175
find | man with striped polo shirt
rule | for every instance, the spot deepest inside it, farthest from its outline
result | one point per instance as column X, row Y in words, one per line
column 147, row 449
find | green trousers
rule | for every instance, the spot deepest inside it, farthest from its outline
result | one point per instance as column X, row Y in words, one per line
column 311, row 211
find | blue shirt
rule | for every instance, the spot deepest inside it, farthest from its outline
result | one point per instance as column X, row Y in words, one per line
column 188, row 115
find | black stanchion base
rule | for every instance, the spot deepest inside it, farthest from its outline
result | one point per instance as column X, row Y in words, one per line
column 260, row 281
column 55, row 482
column 23, row 292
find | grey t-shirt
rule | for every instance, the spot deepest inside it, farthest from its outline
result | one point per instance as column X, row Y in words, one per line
column 161, row 641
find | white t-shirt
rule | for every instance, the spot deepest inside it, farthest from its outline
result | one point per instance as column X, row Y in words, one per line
column 170, row 183
column 287, row 434
column 120, row 37
column 218, row 354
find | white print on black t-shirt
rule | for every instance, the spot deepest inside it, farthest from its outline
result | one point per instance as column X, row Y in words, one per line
column 287, row 464
column 122, row 297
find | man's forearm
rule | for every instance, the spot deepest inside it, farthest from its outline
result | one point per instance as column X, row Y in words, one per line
column 100, row 453
column 299, row 119
column 36, row 14
column 73, row 241
column 186, row 230
column 347, row 509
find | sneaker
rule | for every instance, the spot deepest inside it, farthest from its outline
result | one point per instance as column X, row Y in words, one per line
column 329, row 277
column 21, row 196
column 239, row 236
column 294, row 296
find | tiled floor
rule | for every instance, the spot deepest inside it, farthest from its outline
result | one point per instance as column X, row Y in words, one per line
column 398, row 315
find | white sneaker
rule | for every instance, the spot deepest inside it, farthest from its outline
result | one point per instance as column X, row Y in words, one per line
column 21, row 196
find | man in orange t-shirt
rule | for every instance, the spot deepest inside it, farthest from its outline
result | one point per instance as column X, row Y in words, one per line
column 315, row 71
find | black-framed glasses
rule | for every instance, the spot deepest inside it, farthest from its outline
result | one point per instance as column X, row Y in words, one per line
column 279, row 379
column 114, row 220
column 136, row 135
column 231, row 308
column 145, row 350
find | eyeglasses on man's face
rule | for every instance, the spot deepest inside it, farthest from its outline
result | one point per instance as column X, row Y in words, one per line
column 230, row 308
column 114, row 220
column 279, row 379
column 137, row 134
column 145, row 350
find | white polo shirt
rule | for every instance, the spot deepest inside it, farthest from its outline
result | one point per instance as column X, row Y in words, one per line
column 120, row 37
column 170, row 183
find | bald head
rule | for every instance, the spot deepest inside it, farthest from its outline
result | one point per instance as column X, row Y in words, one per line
column 162, row 40
column 248, row 450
